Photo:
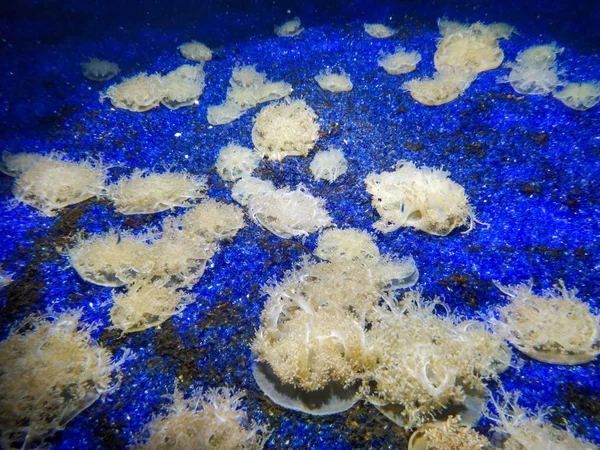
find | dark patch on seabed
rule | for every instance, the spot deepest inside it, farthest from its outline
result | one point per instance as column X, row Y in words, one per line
column 22, row 295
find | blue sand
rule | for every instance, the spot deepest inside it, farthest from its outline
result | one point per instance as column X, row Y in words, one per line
column 530, row 165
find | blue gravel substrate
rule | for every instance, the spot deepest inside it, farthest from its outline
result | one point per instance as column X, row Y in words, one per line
column 531, row 167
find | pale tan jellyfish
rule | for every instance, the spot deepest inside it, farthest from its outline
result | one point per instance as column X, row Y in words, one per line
column 235, row 162
column 145, row 305
column 555, row 327
column 502, row 30
column 290, row 28
column 52, row 370
column 450, row 435
column 183, row 86
column 210, row 221
column 248, row 88
column 535, row 71
column 112, row 259
column 543, row 55
column 224, row 113
column 211, row 419
column 425, row 363
column 288, row 213
column 329, row 165
column 379, row 31
column 52, row 183
column 195, row 51
column 5, row 278
column 334, row 82
column 446, row 85
column 147, row 193
column 138, row 94
column 579, row 96
column 14, row 164
column 286, row 128
column 471, row 48
column 399, row 62
column 518, row 428
column 310, row 349
column 425, row 199
column 331, row 334
column 99, row 70
column 533, row 79
column 180, row 87
column 346, row 245
column 245, row 189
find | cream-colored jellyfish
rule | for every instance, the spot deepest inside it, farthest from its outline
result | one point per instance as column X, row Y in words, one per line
column 5, row 278
column 579, row 96
column 245, row 189
column 535, row 71
column 112, row 259
column 235, row 161
column 99, row 70
column 329, row 165
column 539, row 55
column 399, row 62
column 145, row 305
column 180, row 87
column 450, row 435
column 310, row 349
column 471, row 48
column 533, row 79
column 147, row 193
column 519, row 428
column 286, row 128
column 330, row 335
column 52, row 370
column 378, row 30
column 554, row 327
column 425, row 199
column 347, row 245
column 290, row 28
column 15, row 164
column 248, row 88
column 49, row 183
column 288, row 213
column 195, row 51
column 209, row 221
column 211, row 419
column 446, row 85
column 138, row 94
column 334, row 82
column 183, row 86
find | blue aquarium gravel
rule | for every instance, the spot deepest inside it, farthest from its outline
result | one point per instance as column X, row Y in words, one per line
column 530, row 165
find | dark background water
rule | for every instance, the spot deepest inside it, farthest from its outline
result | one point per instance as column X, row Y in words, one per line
column 573, row 21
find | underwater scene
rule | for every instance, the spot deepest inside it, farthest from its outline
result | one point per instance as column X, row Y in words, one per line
column 300, row 225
